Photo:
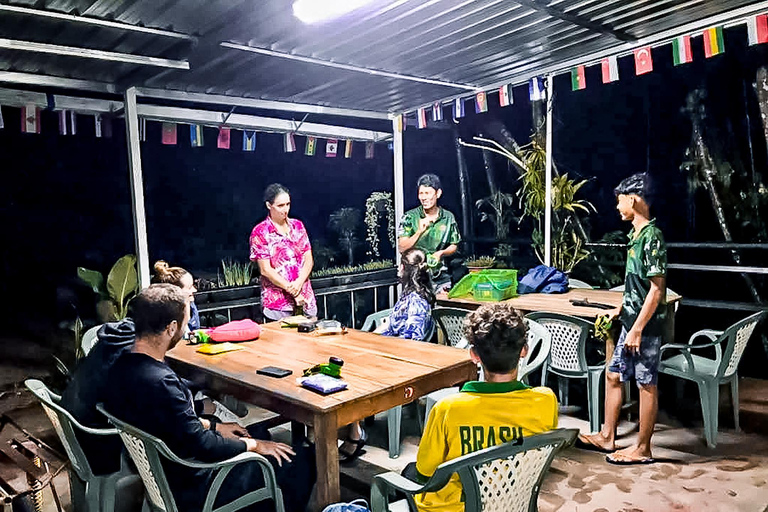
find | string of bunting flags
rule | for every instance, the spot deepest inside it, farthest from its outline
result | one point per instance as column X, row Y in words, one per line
column 68, row 119
column 712, row 40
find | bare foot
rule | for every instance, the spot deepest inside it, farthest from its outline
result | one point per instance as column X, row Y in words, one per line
column 596, row 442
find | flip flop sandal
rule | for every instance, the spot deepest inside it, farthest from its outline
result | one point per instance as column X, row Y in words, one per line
column 591, row 447
column 629, row 462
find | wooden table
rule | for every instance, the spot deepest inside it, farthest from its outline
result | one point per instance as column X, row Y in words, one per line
column 382, row 373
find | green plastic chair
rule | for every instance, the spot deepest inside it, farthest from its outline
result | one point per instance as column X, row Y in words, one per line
column 567, row 359
column 147, row 453
column 395, row 414
column 506, row 477
column 93, row 493
column 708, row 373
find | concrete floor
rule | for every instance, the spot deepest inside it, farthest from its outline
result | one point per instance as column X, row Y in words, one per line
column 689, row 477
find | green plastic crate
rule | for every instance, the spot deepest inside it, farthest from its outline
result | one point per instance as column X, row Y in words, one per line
column 494, row 291
column 487, row 285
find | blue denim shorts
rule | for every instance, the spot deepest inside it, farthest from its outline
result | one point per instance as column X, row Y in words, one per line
column 642, row 365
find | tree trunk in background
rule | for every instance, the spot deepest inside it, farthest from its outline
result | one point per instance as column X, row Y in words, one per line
column 466, row 196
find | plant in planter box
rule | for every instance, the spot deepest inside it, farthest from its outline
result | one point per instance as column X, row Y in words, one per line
column 120, row 286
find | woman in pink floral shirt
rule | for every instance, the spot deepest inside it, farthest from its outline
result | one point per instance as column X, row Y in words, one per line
column 281, row 247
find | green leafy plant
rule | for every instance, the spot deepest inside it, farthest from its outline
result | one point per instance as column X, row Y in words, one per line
column 345, row 222
column 235, row 273
column 568, row 242
column 120, row 286
column 480, row 261
column 377, row 205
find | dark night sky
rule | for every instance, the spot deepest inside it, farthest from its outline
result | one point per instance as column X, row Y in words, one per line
column 66, row 200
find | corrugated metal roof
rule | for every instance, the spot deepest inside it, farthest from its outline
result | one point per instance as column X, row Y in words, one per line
column 471, row 42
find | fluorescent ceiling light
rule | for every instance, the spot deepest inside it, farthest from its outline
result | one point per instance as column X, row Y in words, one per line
column 316, row 11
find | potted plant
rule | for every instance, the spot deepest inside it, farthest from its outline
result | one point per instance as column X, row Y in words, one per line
column 377, row 205
column 476, row 264
column 233, row 283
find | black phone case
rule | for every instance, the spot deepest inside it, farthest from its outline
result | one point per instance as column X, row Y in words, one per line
column 274, row 371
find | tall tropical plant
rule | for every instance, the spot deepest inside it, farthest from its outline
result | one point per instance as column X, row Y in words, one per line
column 497, row 208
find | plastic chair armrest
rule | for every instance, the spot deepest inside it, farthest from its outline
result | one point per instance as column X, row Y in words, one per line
column 237, row 459
column 685, row 350
column 707, row 333
column 398, row 482
column 99, row 431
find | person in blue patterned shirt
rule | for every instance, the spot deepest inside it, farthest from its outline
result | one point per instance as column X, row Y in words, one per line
column 411, row 317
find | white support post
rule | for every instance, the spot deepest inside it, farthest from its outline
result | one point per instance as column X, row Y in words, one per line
column 397, row 144
column 548, row 192
column 137, row 187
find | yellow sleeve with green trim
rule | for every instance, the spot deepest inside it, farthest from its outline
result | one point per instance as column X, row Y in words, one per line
column 433, row 448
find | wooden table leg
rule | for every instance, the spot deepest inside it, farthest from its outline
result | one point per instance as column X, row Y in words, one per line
column 327, row 454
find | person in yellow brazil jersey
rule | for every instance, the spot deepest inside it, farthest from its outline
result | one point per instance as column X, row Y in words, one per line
column 498, row 410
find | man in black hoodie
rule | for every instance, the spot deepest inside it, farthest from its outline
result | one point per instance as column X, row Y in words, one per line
column 86, row 389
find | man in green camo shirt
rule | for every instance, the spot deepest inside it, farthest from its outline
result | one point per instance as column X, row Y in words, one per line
column 429, row 227
column 642, row 315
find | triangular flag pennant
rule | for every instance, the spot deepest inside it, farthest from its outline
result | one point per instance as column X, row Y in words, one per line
column 437, row 112
column 249, row 141
column 643, row 61
column 505, row 95
column 223, row 140
column 757, row 28
column 289, row 143
column 309, row 149
column 169, row 134
column 369, row 150
column 63, row 128
column 330, row 148
column 536, row 89
column 348, row 149
column 196, row 139
column 2, row 123
column 97, row 125
column 458, row 108
column 610, row 68
column 713, row 42
column 578, row 78
column 142, row 129
column 681, row 50
column 422, row 117
column 481, row 102
column 30, row 119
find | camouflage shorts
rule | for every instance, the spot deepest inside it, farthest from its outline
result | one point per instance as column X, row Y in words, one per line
column 642, row 365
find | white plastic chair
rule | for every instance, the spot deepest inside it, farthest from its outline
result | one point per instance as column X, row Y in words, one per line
column 575, row 283
column 94, row 493
column 567, row 359
column 147, row 453
column 89, row 339
column 539, row 343
column 504, row 478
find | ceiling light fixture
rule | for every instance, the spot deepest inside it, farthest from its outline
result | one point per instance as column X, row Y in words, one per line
column 314, row 11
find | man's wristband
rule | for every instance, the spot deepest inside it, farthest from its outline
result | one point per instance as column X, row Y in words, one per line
column 212, row 422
